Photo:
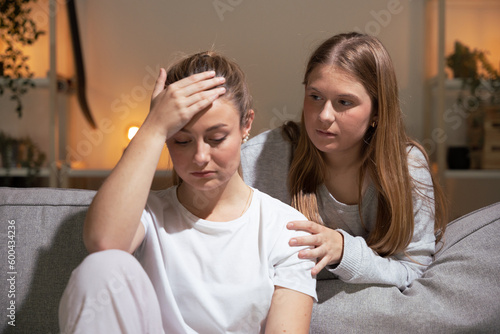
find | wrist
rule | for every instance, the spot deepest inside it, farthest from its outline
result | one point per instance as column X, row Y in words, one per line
column 153, row 129
column 339, row 241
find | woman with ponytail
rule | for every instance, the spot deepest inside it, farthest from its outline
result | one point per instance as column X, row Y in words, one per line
column 208, row 255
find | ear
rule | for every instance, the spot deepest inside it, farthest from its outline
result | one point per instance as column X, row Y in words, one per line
column 248, row 125
column 374, row 121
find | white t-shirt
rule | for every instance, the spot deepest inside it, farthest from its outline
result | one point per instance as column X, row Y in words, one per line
column 219, row 277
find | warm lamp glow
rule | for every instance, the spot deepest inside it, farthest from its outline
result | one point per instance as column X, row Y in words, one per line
column 132, row 130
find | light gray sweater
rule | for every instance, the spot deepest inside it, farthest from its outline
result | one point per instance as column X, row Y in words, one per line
column 265, row 162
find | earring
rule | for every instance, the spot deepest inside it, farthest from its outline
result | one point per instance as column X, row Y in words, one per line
column 245, row 139
column 374, row 124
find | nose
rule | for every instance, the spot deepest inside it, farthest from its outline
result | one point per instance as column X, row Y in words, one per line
column 327, row 114
column 202, row 153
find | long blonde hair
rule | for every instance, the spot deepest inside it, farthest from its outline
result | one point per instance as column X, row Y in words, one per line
column 384, row 153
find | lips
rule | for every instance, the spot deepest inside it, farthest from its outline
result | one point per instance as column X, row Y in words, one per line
column 327, row 134
column 203, row 174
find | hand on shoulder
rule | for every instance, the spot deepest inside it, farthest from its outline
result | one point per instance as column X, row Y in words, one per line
column 327, row 245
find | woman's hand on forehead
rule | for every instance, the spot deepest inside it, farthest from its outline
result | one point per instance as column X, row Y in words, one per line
column 172, row 107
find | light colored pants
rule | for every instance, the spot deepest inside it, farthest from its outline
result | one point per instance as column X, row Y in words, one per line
column 109, row 292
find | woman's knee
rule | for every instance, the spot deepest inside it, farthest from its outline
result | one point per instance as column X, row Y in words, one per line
column 109, row 260
column 112, row 270
column 106, row 286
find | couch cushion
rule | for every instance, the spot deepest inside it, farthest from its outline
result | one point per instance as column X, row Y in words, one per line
column 459, row 292
column 48, row 246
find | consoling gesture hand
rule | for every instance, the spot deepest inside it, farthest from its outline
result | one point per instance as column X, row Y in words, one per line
column 172, row 107
column 328, row 244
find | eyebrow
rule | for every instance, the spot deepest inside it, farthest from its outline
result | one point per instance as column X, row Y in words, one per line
column 212, row 128
column 347, row 95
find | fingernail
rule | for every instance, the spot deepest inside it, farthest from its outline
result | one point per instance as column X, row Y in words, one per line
column 289, row 225
column 293, row 241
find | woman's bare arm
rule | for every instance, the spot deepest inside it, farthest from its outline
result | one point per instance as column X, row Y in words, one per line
column 113, row 219
column 290, row 312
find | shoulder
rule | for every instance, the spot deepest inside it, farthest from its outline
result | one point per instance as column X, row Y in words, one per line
column 270, row 139
column 269, row 146
column 271, row 206
column 265, row 160
column 162, row 194
column 158, row 199
column 416, row 156
column 418, row 163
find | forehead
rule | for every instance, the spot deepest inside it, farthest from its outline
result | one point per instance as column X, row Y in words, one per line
column 331, row 74
column 220, row 112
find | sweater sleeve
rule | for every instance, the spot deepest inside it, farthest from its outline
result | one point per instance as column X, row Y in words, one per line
column 360, row 264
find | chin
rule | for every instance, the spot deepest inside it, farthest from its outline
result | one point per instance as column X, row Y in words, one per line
column 328, row 148
column 323, row 145
column 206, row 185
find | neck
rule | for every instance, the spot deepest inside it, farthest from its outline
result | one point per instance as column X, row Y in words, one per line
column 223, row 203
column 342, row 176
column 343, row 161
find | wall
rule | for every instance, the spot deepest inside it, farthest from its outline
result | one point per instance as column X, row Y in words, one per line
column 125, row 42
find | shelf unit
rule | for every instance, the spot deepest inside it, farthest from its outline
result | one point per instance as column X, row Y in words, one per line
column 81, row 178
column 472, row 174
column 440, row 119
column 93, row 178
column 103, row 173
column 469, row 189
column 22, row 172
column 21, row 177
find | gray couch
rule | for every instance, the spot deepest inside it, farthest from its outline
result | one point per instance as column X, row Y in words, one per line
column 459, row 292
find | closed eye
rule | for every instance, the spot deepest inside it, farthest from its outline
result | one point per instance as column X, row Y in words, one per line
column 181, row 142
column 218, row 140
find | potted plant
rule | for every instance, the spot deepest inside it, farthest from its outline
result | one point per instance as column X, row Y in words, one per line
column 21, row 153
column 17, row 29
column 479, row 77
column 480, row 98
